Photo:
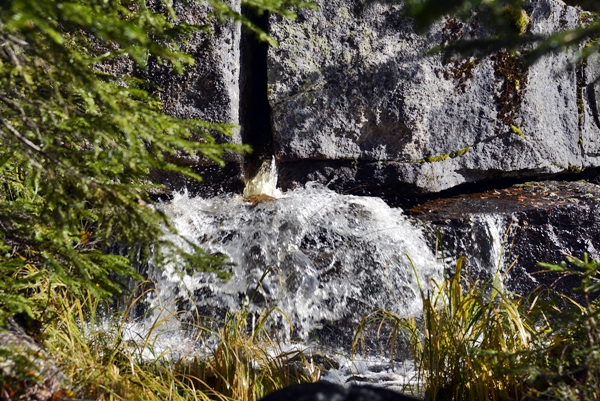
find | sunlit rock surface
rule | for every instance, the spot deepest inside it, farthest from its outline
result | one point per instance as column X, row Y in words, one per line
column 355, row 103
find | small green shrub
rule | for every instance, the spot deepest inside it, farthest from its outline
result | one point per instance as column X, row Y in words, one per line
column 566, row 365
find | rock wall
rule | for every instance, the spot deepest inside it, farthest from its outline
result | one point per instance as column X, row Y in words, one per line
column 209, row 90
column 356, row 103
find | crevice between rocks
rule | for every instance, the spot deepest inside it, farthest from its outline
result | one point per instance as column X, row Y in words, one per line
column 255, row 111
column 370, row 179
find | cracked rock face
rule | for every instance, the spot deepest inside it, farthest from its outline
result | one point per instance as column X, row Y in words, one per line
column 356, row 101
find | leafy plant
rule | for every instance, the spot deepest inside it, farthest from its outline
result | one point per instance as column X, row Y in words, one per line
column 79, row 145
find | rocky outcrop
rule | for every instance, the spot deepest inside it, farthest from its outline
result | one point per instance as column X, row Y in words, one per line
column 510, row 230
column 209, row 90
column 26, row 370
column 357, row 102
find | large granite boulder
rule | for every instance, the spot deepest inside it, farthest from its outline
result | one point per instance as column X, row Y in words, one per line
column 356, row 101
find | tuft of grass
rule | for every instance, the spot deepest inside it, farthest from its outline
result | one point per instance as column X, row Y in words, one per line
column 466, row 346
column 477, row 341
column 89, row 342
column 566, row 365
column 93, row 353
column 248, row 362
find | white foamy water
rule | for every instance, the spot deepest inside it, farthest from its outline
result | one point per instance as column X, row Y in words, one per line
column 264, row 182
column 321, row 257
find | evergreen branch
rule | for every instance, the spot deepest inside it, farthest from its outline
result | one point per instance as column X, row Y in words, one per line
column 21, row 138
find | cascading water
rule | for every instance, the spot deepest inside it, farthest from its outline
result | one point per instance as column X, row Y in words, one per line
column 264, row 182
column 323, row 258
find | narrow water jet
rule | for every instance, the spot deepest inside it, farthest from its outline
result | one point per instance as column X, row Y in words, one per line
column 264, row 182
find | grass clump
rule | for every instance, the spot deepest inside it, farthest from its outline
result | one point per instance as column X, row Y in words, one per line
column 566, row 365
column 248, row 362
column 98, row 355
column 464, row 342
column 478, row 341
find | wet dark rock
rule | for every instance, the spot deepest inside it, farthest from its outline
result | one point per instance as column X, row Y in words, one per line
column 326, row 391
column 523, row 224
column 355, row 103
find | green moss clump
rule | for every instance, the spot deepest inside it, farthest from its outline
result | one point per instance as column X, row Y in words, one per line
column 587, row 17
column 460, row 152
column 574, row 169
column 437, row 158
column 518, row 19
column 445, row 156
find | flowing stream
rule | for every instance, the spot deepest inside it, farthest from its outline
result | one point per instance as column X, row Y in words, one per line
column 321, row 257
column 324, row 259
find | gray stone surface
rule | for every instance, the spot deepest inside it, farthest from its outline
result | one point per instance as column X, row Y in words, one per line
column 349, row 86
column 208, row 90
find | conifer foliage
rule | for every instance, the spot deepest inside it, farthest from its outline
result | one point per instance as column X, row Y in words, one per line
column 78, row 144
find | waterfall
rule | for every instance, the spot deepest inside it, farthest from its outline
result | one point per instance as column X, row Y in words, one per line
column 322, row 258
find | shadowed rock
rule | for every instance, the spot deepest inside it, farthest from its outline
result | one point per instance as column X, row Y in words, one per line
column 325, row 391
column 512, row 229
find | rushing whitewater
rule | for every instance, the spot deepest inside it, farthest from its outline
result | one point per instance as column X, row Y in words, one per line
column 264, row 182
column 321, row 257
